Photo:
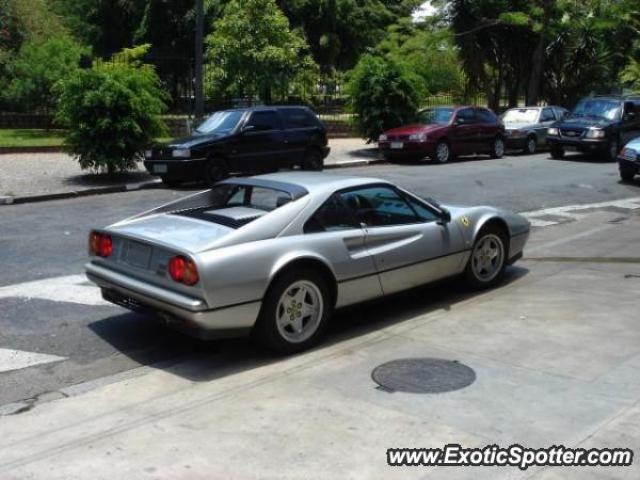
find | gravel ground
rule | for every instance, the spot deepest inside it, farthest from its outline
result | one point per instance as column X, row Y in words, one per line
column 27, row 174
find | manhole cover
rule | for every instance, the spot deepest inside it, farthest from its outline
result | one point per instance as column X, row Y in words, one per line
column 423, row 375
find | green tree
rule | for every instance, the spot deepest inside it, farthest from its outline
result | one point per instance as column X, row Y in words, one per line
column 383, row 94
column 429, row 51
column 253, row 50
column 112, row 111
column 39, row 66
column 339, row 31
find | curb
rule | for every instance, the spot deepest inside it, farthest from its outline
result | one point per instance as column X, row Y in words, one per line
column 80, row 193
column 5, row 200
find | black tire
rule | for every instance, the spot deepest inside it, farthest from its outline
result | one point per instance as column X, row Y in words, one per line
column 530, row 145
column 171, row 182
column 611, row 154
column 557, row 152
column 214, row 172
column 442, row 153
column 471, row 275
column 266, row 332
column 496, row 149
column 313, row 161
column 627, row 173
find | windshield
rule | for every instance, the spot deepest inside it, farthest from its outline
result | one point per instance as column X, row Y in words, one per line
column 220, row 122
column 521, row 115
column 440, row 116
column 607, row 109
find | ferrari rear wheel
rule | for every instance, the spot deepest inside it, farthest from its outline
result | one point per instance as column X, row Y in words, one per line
column 294, row 313
column 488, row 258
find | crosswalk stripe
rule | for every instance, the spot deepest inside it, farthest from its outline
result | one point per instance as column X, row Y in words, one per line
column 11, row 360
column 574, row 212
column 71, row 288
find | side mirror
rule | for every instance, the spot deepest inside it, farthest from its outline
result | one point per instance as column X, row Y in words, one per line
column 459, row 121
column 248, row 128
column 629, row 116
column 445, row 216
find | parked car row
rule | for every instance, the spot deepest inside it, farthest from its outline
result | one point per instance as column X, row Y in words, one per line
column 266, row 139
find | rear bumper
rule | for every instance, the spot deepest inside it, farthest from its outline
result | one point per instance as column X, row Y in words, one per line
column 187, row 169
column 186, row 314
column 515, row 142
column 325, row 151
column 409, row 149
column 516, row 246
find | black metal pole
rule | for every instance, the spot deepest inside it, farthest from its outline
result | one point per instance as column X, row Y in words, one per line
column 199, row 93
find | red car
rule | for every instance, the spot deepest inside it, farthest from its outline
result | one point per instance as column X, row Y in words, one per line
column 444, row 132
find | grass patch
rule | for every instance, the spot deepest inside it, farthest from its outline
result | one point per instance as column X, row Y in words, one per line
column 30, row 138
column 25, row 137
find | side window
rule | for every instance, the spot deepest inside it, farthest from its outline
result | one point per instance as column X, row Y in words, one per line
column 298, row 118
column 379, row 207
column 485, row 116
column 331, row 216
column 466, row 115
column 547, row 115
column 423, row 212
column 263, row 121
column 560, row 113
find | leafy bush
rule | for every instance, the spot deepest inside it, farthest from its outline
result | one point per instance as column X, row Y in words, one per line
column 253, row 50
column 384, row 94
column 38, row 67
column 112, row 111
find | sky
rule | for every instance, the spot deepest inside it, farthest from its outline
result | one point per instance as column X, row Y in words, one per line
column 425, row 10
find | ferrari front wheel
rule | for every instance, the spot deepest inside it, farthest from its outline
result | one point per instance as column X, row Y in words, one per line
column 488, row 258
column 294, row 313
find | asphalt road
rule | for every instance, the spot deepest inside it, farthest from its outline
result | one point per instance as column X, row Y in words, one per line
column 48, row 240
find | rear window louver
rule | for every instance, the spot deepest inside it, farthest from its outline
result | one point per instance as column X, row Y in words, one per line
column 200, row 214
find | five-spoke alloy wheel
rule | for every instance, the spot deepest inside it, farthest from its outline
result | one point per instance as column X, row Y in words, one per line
column 488, row 258
column 295, row 311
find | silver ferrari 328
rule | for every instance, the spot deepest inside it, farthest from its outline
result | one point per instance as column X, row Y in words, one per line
column 272, row 256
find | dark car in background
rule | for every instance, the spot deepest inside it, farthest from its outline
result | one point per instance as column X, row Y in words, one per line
column 442, row 133
column 243, row 141
column 629, row 160
column 527, row 126
column 598, row 125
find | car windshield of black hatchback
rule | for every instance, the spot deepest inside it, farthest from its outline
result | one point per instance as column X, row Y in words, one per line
column 606, row 109
column 220, row 122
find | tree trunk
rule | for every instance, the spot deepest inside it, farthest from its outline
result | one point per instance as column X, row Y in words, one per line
column 535, row 79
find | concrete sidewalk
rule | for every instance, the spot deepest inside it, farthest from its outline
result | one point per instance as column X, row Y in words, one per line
column 44, row 176
column 555, row 352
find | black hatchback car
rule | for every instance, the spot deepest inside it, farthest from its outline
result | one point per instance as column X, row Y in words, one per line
column 245, row 141
column 600, row 125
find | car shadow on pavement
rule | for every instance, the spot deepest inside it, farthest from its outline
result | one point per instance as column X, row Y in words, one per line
column 107, row 180
column 581, row 158
column 148, row 342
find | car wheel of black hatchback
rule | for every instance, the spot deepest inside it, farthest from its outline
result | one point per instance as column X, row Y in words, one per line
column 171, row 182
column 313, row 161
column 214, row 172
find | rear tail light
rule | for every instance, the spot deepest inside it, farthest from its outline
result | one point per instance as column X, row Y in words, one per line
column 183, row 270
column 100, row 244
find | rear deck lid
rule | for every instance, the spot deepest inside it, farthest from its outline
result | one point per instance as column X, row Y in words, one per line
column 174, row 231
